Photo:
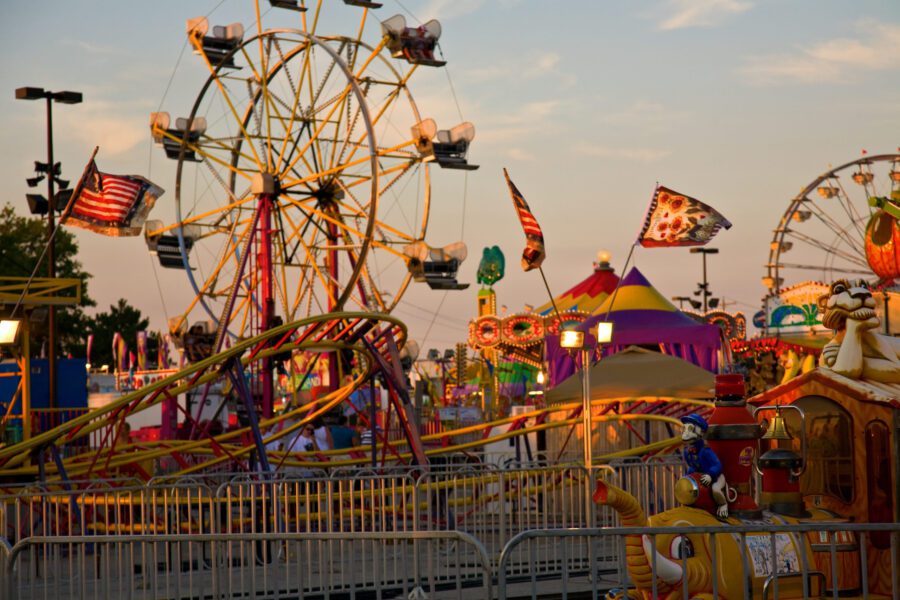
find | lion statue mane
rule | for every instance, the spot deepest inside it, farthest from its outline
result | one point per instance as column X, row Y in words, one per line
column 856, row 350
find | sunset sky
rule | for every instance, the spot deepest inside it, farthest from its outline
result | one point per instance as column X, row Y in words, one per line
column 588, row 104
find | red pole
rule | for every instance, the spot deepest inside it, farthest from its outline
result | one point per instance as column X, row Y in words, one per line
column 333, row 291
column 267, row 297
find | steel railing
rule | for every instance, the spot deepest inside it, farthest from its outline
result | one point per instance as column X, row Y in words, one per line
column 285, row 565
column 766, row 566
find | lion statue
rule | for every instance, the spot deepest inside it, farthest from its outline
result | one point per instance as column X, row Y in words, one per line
column 856, row 350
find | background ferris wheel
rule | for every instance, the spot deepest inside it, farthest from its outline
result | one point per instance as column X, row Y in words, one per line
column 823, row 233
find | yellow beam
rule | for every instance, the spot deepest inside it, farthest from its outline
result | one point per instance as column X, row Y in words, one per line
column 41, row 291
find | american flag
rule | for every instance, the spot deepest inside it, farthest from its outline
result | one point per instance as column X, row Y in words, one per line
column 533, row 255
column 115, row 205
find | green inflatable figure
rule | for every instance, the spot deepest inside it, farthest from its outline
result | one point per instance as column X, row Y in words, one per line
column 492, row 266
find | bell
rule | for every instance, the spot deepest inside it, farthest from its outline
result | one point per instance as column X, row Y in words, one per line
column 777, row 429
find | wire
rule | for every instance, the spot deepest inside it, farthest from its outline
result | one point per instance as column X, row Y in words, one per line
column 406, row 303
column 436, row 312
column 162, row 297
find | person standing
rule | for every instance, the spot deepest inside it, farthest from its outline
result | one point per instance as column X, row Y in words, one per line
column 323, row 435
column 343, row 436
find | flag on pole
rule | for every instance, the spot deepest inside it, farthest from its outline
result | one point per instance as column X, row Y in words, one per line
column 162, row 352
column 141, row 350
column 90, row 343
column 674, row 219
column 533, row 255
column 114, row 205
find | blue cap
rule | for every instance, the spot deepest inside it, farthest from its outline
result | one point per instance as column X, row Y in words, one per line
column 696, row 420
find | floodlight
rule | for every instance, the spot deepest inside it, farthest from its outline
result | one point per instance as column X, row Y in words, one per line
column 37, row 204
column 571, row 339
column 67, row 97
column 604, row 332
column 29, row 93
column 9, row 331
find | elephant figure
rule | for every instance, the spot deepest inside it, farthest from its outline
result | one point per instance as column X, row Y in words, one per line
column 686, row 558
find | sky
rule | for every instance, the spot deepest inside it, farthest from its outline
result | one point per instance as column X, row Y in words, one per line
column 739, row 103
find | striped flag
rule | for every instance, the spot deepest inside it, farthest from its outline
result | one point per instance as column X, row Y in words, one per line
column 114, row 205
column 534, row 254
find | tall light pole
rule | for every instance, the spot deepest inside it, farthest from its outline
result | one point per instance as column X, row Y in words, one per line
column 66, row 97
column 704, row 287
column 574, row 340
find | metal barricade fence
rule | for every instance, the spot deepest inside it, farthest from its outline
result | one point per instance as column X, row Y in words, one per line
column 773, row 561
column 651, row 481
column 490, row 504
column 291, row 565
column 82, row 511
column 5, row 551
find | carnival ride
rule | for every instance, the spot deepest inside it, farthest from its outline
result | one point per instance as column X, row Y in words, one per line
column 302, row 192
column 823, row 231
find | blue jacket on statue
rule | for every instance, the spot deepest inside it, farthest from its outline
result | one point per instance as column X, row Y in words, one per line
column 700, row 458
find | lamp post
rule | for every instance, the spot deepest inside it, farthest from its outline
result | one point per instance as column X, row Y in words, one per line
column 573, row 340
column 577, row 340
column 65, row 97
column 704, row 287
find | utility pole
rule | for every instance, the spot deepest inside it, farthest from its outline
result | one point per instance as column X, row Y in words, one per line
column 53, row 171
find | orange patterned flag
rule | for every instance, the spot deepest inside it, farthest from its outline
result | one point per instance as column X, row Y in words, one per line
column 678, row 220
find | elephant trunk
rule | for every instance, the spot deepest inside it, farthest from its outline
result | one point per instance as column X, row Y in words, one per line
column 632, row 515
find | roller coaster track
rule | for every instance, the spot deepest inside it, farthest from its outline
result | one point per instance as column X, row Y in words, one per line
column 373, row 338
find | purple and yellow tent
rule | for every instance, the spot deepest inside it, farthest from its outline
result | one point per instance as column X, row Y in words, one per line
column 643, row 317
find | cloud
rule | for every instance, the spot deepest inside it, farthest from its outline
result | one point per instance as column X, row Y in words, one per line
column 630, row 154
column 520, row 154
column 522, row 68
column 91, row 48
column 700, row 13
column 115, row 134
column 648, row 115
column 449, row 9
column 833, row 61
column 525, row 123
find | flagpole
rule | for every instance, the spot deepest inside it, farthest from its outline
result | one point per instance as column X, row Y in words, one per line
column 549, row 293
column 637, row 239
column 77, row 191
column 52, row 237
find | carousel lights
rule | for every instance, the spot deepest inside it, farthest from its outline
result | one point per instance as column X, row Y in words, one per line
column 541, row 378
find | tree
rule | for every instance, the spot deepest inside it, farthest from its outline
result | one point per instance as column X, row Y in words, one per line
column 22, row 240
column 121, row 318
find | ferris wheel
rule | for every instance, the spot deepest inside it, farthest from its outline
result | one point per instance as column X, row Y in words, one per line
column 302, row 170
column 823, row 233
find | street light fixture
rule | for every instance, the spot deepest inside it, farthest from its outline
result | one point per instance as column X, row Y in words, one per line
column 571, row 339
column 574, row 340
column 704, row 287
column 52, row 169
column 9, row 331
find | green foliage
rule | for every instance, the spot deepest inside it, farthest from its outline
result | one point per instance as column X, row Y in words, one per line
column 22, row 240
